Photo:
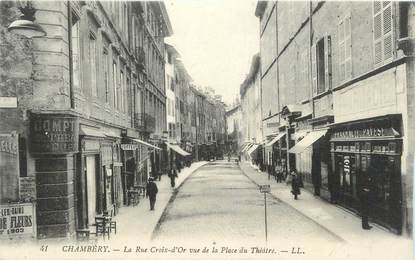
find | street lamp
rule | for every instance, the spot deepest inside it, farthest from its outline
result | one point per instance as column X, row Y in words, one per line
column 25, row 25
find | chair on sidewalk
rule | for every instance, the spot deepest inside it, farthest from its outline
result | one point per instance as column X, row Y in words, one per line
column 112, row 224
column 82, row 234
column 102, row 226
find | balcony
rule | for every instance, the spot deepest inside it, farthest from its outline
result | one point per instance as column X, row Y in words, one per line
column 144, row 122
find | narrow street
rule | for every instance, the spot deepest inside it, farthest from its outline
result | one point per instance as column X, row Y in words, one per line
column 218, row 203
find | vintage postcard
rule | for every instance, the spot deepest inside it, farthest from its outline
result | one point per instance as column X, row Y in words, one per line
column 207, row 129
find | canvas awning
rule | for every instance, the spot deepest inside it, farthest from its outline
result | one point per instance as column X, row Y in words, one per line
column 178, row 149
column 299, row 135
column 273, row 141
column 146, row 144
column 308, row 140
column 89, row 131
column 246, row 148
column 253, row 149
column 243, row 146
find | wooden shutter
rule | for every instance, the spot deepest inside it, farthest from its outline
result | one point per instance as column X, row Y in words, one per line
column 387, row 27
column 383, row 31
column 348, row 47
column 341, row 51
column 327, row 62
column 314, row 69
column 377, row 32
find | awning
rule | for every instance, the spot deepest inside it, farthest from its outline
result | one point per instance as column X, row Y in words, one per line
column 253, row 149
column 308, row 140
column 89, row 131
column 178, row 149
column 273, row 141
column 299, row 135
column 146, row 144
column 243, row 146
column 246, row 148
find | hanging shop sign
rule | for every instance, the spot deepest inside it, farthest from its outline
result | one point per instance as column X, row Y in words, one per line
column 106, row 154
column 129, row 147
column 50, row 133
column 17, row 220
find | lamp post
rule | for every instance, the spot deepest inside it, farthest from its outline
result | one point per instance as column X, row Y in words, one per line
column 25, row 25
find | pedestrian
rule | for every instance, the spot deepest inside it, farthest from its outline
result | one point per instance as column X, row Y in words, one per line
column 296, row 184
column 173, row 176
column 365, row 197
column 278, row 172
column 151, row 192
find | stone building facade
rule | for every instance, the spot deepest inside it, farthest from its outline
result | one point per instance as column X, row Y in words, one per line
column 337, row 97
column 90, row 97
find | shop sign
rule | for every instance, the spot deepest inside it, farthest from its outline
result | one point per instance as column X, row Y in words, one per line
column 106, row 154
column 27, row 188
column 129, row 147
column 8, row 102
column 346, row 169
column 17, row 220
column 365, row 133
column 53, row 134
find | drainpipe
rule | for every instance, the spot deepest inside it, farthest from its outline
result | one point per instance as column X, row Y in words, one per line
column 407, row 45
column 71, row 95
column 310, row 76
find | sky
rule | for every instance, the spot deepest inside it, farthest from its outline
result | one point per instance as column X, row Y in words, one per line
column 216, row 40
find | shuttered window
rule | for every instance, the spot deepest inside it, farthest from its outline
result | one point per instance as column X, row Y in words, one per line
column 321, row 65
column 345, row 49
column 382, row 32
column 327, row 64
column 314, row 68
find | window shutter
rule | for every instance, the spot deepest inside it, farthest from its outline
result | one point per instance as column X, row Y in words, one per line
column 387, row 31
column 327, row 62
column 341, row 52
column 377, row 31
column 348, row 48
column 314, row 68
column 382, row 31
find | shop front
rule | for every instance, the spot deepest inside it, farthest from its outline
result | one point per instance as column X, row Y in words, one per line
column 98, row 177
column 276, row 154
column 136, row 157
column 368, row 152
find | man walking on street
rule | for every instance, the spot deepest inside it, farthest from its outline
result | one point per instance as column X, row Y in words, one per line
column 365, row 203
column 151, row 192
column 173, row 176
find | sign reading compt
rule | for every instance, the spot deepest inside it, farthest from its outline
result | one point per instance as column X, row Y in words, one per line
column 52, row 133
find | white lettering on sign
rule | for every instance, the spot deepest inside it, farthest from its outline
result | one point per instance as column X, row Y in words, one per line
column 8, row 102
column 129, row 147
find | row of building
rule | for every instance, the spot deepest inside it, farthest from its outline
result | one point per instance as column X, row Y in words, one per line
column 331, row 96
column 89, row 109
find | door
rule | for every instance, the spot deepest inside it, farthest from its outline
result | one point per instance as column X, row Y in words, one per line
column 91, row 176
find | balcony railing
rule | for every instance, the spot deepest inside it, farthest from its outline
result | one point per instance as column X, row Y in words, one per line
column 144, row 122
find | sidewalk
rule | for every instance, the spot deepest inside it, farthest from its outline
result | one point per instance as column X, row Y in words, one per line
column 135, row 224
column 333, row 218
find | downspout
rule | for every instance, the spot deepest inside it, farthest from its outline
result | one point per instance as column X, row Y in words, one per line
column 310, row 76
column 71, row 94
column 278, row 93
